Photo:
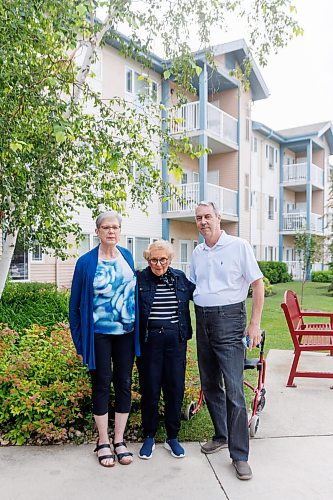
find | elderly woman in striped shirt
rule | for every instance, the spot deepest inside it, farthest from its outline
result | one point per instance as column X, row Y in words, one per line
column 165, row 327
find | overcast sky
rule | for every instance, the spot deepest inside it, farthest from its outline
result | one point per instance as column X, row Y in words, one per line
column 300, row 77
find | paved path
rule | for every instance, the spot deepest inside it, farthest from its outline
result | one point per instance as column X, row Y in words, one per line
column 292, row 456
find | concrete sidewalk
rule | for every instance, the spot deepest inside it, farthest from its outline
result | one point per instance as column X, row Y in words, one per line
column 291, row 457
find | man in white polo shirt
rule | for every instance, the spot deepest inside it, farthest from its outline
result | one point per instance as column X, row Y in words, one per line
column 223, row 267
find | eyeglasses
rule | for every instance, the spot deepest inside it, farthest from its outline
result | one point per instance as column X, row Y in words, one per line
column 109, row 228
column 162, row 261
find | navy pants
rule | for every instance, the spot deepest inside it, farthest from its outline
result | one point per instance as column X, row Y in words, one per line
column 221, row 364
column 162, row 366
column 114, row 358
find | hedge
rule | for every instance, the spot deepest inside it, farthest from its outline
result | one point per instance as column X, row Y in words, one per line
column 26, row 304
column 322, row 276
column 275, row 272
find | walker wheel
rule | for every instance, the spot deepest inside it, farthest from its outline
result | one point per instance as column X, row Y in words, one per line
column 254, row 425
column 188, row 412
column 261, row 403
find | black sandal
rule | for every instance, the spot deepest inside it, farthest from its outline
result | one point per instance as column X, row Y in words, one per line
column 120, row 456
column 105, row 457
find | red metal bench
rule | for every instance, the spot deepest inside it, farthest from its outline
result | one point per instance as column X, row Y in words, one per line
column 306, row 336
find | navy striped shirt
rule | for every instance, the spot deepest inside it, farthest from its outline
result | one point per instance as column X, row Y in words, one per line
column 165, row 305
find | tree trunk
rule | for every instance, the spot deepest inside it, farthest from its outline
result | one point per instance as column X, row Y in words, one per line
column 6, row 258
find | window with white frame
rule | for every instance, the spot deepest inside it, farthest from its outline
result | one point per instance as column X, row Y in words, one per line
column 140, row 86
column 271, row 207
column 254, row 144
column 136, row 245
column 270, row 156
column 88, row 242
column 247, row 192
column 37, row 254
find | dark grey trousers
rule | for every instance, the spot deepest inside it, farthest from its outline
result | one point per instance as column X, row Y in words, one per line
column 221, row 364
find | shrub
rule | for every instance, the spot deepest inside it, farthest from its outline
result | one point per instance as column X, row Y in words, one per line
column 25, row 304
column 275, row 272
column 322, row 276
column 44, row 388
column 268, row 288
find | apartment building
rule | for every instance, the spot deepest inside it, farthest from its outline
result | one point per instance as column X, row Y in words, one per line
column 290, row 184
column 268, row 184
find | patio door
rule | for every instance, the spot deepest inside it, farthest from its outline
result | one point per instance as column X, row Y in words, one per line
column 185, row 252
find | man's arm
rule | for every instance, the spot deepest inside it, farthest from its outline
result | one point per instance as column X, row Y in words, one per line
column 258, row 297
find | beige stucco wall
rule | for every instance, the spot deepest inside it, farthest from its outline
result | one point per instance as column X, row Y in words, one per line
column 244, row 162
column 114, row 74
column 318, row 157
column 227, row 101
column 227, row 165
column 318, row 202
column 182, row 231
column 230, row 228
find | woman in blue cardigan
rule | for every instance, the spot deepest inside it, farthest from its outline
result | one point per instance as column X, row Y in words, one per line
column 103, row 319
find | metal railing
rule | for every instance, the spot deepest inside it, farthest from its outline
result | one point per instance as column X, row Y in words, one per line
column 186, row 118
column 189, row 197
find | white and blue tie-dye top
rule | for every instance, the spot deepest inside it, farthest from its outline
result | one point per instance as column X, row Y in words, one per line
column 114, row 297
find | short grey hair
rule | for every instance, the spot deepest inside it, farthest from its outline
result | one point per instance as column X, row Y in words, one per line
column 209, row 204
column 159, row 245
column 109, row 215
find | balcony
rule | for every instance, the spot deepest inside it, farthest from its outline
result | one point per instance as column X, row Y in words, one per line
column 220, row 126
column 296, row 222
column 189, row 197
column 296, row 268
column 295, row 176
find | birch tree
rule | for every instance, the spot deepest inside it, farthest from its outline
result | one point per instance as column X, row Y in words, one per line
column 55, row 157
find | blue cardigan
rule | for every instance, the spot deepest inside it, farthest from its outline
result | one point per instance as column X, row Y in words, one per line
column 81, row 305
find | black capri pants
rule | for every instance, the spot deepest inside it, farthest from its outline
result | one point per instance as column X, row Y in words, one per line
column 114, row 358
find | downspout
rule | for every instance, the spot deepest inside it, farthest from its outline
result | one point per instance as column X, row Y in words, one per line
column 238, row 162
column 165, row 174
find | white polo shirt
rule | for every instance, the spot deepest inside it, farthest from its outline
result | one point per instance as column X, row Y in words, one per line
column 223, row 273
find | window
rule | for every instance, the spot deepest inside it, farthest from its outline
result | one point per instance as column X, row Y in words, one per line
column 84, row 245
column 276, row 155
column 129, row 80
column 255, row 145
column 247, row 192
column 140, row 85
column 89, row 242
column 271, row 207
column 37, row 254
column 19, row 265
column 270, row 157
column 137, row 246
column 247, row 130
column 253, row 199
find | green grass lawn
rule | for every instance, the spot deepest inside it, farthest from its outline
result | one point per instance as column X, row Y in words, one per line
column 316, row 297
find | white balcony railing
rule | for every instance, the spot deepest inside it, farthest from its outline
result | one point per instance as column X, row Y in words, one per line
column 186, row 118
column 296, row 174
column 294, row 222
column 183, row 266
column 296, row 268
column 225, row 199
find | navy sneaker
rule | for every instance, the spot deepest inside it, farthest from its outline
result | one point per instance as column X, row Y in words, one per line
column 146, row 450
column 175, row 448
